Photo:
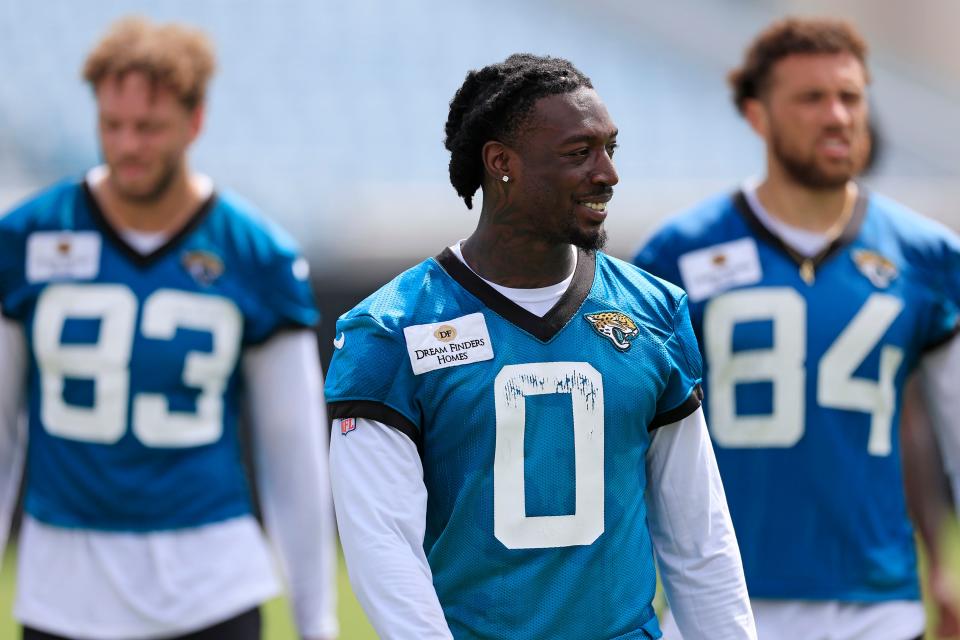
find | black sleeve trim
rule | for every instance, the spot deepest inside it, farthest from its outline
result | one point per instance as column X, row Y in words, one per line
column 379, row 412
column 290, row 326
column 936, row 344
column 688, row 406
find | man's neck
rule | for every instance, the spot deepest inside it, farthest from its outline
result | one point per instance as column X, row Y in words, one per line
column 167, row 213
column 817, row 210
column 512, row 257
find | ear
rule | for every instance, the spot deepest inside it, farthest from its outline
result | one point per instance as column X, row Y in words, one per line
column 498, row 160
column 755, row 112
column 196, row 121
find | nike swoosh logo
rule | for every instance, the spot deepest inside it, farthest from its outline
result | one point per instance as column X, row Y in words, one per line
column 338, row 341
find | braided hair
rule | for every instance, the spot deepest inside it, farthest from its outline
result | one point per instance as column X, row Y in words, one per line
column 493, row 103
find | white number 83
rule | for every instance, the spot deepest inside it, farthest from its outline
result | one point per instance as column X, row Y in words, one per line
column 107, row 363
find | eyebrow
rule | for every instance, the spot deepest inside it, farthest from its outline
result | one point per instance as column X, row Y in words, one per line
column 586, row 137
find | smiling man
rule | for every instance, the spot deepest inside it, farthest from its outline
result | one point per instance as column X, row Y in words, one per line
column 142, row 312
column 814, row 301
column 518, row 428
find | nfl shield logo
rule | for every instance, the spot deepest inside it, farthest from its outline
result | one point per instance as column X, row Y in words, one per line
column 347, row 425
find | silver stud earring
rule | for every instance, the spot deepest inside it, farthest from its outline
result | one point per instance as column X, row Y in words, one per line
column 505, row 178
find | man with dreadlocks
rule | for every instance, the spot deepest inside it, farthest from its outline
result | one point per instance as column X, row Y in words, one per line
column 530, row 433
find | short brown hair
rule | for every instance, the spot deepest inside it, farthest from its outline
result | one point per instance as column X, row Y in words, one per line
column 172, row 55
column 788, row 37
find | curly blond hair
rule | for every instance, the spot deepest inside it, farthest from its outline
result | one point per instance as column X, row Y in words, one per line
column 174, row 56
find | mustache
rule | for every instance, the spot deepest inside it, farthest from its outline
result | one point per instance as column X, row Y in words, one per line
column 598, row 193
column 834, row 130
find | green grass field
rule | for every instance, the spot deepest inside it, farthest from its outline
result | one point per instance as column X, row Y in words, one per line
column 353, row 623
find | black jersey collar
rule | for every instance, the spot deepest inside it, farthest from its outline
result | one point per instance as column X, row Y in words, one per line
column 847, row 236
column 545, row 328
column 141, row 259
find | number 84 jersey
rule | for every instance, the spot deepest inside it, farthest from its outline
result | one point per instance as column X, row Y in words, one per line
column 134, row 370
column 805, row 361
column 533, row 433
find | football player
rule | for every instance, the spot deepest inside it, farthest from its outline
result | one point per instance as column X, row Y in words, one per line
column 142, row 310
column 517, row 423
column 813, row 299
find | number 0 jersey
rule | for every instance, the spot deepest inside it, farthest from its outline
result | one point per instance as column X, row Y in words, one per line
column 533, row 434
column 134, row 359
column 805, row 361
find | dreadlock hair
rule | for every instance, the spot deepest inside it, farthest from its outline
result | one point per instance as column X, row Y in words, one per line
column 493, row 103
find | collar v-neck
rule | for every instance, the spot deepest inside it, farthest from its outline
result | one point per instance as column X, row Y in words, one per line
column 846, row 236
column 543, row 328
column 141, row 259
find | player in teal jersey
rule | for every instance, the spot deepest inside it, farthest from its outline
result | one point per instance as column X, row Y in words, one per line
column 517, row 428
column 142, row 311
column 814, row 301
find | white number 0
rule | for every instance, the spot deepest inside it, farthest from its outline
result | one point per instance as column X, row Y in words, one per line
column 107, row 361
column 511, row 524
column 783, row 365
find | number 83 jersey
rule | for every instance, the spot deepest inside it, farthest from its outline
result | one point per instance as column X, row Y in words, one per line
column 134, row 370
column 805, row 360
column 533, row 433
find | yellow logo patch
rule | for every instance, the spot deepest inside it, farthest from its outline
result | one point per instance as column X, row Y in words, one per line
column 616, row 326
column 878, row 270
column 205, row 267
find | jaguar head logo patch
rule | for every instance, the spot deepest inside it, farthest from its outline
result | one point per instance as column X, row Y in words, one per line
column 616, row 326
column 878, row 270
column 205, row 267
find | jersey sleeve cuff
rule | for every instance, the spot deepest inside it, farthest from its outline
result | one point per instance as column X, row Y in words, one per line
column 942, row 340
column 379, row 412
column 688, row 406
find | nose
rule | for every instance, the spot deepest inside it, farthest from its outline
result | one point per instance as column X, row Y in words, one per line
column 839, row 112
column 128, row 141
column 605, row 173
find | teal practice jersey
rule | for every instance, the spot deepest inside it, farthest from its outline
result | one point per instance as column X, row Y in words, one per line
column 533, row 434
column 134, row 385
column 805, row 362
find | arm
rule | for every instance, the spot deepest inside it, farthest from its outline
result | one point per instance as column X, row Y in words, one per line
column 285, row 403
column 928, row 404
column 13, row 437
column 381, row 503
column 693, row 537
column 924, row 477
column 933, row 398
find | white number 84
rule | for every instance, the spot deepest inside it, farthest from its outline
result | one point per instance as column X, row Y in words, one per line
column 107, row 361
column 783, row 366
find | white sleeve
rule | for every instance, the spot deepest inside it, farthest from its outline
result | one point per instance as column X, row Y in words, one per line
column 693, row 537
column 939, row 371
column 13, row 437
column 381, row 504
column 284, row 394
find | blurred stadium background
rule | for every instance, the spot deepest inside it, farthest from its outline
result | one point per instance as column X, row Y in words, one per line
column 329, row 115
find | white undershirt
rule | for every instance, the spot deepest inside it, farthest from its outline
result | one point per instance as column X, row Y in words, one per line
column 537, row 301
column 805, row 242
column 95, row 584
column 144, row 242
column 382, row 522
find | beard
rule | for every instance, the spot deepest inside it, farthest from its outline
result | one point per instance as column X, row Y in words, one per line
column 154, row 191
column 806, row 171
column 588, row 241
